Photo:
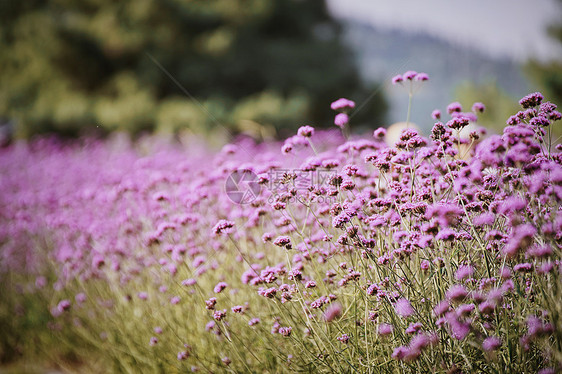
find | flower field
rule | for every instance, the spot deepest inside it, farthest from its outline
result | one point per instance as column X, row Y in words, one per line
column 322, row 253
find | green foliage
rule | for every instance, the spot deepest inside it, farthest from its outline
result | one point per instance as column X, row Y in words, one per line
column 548, row 76
column 499, row 105
column 69, row 66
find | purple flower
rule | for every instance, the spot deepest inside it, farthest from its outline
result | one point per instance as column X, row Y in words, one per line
column 397, row 79
column 420, row 341
column 491, row 343
column 223, row 227
column 220, row 287
column 522, row 238
column 523, row 268
column 283, row 241
column 253, row 321
column 487, row 307
column 63, row 306
column 400, row 352
column 458, row 123
column 385, row 329
column 332, row 312
column 175, row 300
column 465, row 309
column 285, row 331
column 454, row 107
column 306, row 131
column 436, row 114
column 142, row 295
column 403, row 308
column 210, row 304
column 456, row 292
column 409, row 75
column 446, row 234
column 341, row 120
column 344, row 338
column 268, row 292
column 219, row 314
column 531, row 100
column 413, row 328
column 287, row 148
column 441, row 308
column 153, row 341
column 379, row 133
column 188, row 282
column 478, row 107
column 342, row 104
column 464, row 271
column 183, row 355
column 422, row 77
column 80, row 297
column 459, row 329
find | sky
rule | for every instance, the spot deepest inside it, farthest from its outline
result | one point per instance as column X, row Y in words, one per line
column 514, row 29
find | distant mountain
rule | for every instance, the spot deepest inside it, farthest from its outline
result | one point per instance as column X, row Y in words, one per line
column 382, row 54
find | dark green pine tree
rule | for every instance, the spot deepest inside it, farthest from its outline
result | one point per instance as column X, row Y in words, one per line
column 263, row 66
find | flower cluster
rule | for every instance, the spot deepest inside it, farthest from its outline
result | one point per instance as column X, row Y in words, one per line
column 428, row 254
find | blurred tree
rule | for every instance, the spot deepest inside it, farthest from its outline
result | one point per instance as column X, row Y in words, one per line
column 499, row 104
column 73, row 65
column 548, row 75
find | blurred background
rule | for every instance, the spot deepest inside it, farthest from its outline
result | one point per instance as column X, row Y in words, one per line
column 264, row 67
